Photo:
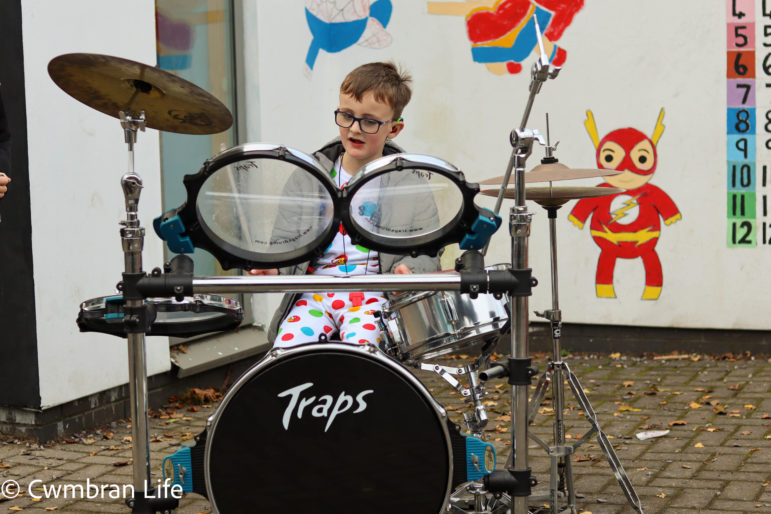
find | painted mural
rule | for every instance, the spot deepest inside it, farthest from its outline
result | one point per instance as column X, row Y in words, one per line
column 627, row 225
column 339, row 24
column 503, row 32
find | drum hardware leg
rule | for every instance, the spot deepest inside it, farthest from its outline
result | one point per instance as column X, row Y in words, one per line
column 561, row 475
column 482, row 501
column 475, row 422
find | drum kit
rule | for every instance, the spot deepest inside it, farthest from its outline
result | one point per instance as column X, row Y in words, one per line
column 331, row 426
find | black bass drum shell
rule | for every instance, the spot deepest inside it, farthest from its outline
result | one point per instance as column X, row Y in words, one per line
column 388, row 451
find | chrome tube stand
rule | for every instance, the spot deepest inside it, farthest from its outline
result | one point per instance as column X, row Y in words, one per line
column 561, row 469
column 147, row 499
column 519, row 228
column 132, row 238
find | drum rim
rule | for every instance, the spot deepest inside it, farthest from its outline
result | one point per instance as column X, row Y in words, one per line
column 229, row 314
column 229, row 255
column 223, row 303
column 277, row 355
column 431, row 243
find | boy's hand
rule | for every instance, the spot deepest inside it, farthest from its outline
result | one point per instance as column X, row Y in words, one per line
column 402, row 269
column 273, row 271
column 4, row 179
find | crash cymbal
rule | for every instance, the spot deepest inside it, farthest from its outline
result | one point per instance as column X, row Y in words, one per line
column 552, row 172
column 112, row 84
column 555, row 196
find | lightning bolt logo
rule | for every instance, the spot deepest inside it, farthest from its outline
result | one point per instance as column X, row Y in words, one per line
column 620, row 213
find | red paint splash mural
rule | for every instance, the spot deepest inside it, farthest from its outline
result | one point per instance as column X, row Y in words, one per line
column 503, row 33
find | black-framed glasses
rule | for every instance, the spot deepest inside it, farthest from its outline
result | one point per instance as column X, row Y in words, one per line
column 367, row 125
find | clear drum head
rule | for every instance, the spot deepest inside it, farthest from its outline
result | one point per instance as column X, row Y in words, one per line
column 260, row 205
column 408, row 203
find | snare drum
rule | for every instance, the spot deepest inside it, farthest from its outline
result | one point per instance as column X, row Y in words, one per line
column 194, row 315
column 424, row 325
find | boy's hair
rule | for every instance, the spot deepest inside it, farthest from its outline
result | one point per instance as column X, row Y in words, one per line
column 387, row 83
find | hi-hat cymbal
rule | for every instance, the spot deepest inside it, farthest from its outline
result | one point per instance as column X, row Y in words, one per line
column 552, row 172
column 112, row 84
column 555, row 196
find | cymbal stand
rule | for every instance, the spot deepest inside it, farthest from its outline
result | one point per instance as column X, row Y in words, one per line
column 555, row 375
column 517, row 479
column 136, row 321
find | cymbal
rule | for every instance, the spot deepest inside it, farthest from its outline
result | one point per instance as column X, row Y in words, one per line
column 112, row 84
column 556, row 196
column 552, row 172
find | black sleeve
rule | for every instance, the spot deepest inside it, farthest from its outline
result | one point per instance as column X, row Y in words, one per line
column 5, row 141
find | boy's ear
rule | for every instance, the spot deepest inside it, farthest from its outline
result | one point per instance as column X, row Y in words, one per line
column 396, row 127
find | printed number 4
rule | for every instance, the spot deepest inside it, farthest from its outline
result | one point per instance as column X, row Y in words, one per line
column 739, row 15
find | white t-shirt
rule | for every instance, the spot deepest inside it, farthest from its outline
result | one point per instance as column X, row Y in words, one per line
column 342, row 257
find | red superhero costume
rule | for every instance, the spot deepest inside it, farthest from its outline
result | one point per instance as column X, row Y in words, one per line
column 627, row 225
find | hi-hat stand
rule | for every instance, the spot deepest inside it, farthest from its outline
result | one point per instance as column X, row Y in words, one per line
column 561, row 470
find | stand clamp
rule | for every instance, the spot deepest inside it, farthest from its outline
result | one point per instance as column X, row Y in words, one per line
column 514, row 482
column 519, row 371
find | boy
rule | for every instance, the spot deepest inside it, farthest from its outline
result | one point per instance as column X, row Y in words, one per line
column 372, row 98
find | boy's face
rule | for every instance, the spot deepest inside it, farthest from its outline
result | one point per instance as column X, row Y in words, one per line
column 360, row 147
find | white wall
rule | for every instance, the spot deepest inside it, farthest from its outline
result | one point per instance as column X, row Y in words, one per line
column 77, row 156
column 626, row 60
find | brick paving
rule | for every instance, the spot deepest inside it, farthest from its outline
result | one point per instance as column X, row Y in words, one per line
column 715, row 459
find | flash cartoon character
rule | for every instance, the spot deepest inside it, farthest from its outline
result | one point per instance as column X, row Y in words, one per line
column 503, row 32
column 627, row 225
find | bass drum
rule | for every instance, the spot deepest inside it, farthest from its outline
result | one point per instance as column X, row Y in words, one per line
column 328, row 428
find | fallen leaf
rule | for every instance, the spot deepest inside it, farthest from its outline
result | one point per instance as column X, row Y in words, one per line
column 746, row 432
column 686, row 466
column 628, row 383
column 121, row 463
column 698, row 445
column 677, row 422
column 615, row 355
column 661, row 495
column 674, row 356
column 627, row 408
column 749, row 406
column 695, row 405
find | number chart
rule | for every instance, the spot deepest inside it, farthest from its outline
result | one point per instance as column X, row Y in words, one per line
column 748, row 122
